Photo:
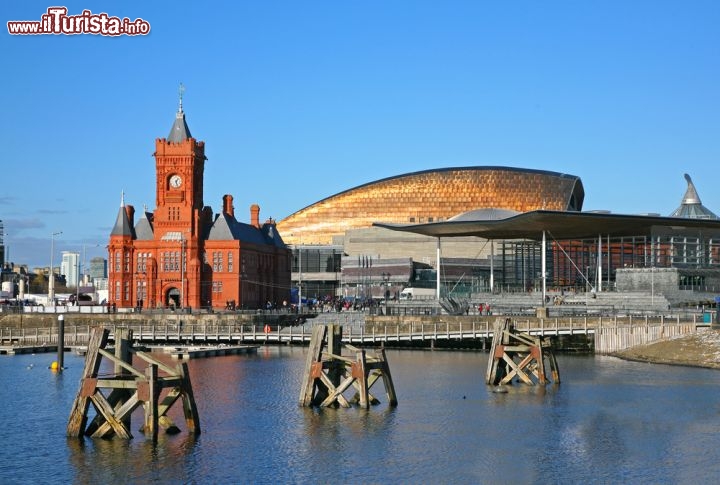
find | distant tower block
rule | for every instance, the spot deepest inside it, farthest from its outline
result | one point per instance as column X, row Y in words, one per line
column 519, row 355
column 2, row 244
column 328, row 374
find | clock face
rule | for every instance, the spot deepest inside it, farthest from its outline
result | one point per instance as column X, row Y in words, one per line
column 175, row 181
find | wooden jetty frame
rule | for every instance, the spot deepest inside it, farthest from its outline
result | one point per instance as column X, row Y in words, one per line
column 328, row 374
column 518, row 354
column 127, row 389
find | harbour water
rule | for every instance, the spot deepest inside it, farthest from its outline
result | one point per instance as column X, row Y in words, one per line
column 609, row 421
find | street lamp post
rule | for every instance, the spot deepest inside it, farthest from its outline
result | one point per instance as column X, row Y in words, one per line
column 182, row 273
column 386, row 280
column 242, row 290
column 51, row 276
column 652, row 284
column 299, row 280
column 77, row 283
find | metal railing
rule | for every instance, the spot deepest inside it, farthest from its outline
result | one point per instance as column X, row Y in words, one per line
column 181, row 333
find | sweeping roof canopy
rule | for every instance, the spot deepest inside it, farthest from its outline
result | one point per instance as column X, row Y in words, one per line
column 561, row 225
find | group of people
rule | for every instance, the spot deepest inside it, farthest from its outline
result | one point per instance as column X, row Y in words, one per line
column 111, row 307
column 484, row 309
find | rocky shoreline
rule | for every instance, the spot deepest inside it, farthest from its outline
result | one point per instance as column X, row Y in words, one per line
column 697, row 350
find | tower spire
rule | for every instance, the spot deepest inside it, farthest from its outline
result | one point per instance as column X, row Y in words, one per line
column 691, row 196
column 181, row 90
column 691, row 207
column 179, row 131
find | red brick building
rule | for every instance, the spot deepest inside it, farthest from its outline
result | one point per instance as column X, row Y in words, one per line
column 182, row 254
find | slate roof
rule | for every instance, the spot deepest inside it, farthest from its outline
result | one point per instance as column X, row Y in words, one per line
column 122, row 225
column 226, row 228
column 272, row 236
column 144, row 229
column 179, row 131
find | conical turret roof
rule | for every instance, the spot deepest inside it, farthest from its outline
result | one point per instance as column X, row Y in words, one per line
column 122, row 223
column 691, row 207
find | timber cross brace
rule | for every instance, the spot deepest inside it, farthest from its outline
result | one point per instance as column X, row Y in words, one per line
column 127, row 389
column 328, row 374
column 517, row 354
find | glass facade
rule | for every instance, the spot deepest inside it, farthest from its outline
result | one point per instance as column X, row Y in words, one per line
column 578, row 264
column 316, row 259
column 318, row 267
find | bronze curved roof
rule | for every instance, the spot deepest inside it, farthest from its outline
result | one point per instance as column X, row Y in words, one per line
column 430, row 196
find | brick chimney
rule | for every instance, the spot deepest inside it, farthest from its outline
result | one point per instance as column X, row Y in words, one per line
column 255, row 215
column 130, row 211
column 228, row 205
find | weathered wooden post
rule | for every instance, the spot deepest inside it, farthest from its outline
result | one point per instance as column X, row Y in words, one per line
column 123, row 346
column 151, row 402
column 515, row 354
column 329, row 374
column 78, row 413
column 313, row 365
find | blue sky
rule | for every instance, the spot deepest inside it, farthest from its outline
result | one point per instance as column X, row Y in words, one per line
column 297, row 101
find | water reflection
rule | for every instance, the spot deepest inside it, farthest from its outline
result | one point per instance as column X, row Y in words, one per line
column 609, row 421
column 120, row 461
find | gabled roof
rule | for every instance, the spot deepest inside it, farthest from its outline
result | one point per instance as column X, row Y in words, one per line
column 226, row 228
column 691, row 207
column 221, row 229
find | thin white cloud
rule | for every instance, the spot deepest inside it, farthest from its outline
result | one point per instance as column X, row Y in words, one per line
column 52, row 212
column 16, row 226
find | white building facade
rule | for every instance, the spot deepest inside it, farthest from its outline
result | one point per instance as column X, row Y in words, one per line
column 69, row 268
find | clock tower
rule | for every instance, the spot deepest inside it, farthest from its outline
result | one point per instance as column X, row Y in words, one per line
column 179, row 168
column 183, row 255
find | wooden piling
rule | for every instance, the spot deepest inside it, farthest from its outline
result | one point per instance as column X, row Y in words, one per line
column 78, row 413
column 151, row 403
column 328, row 374
column 116, row 397
column 313, row 360
column 521, row 356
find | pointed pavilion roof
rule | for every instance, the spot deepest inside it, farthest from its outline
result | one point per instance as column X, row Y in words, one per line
column 122, row 225
column 179, row 131
column 144, row 228
column 691, row 207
